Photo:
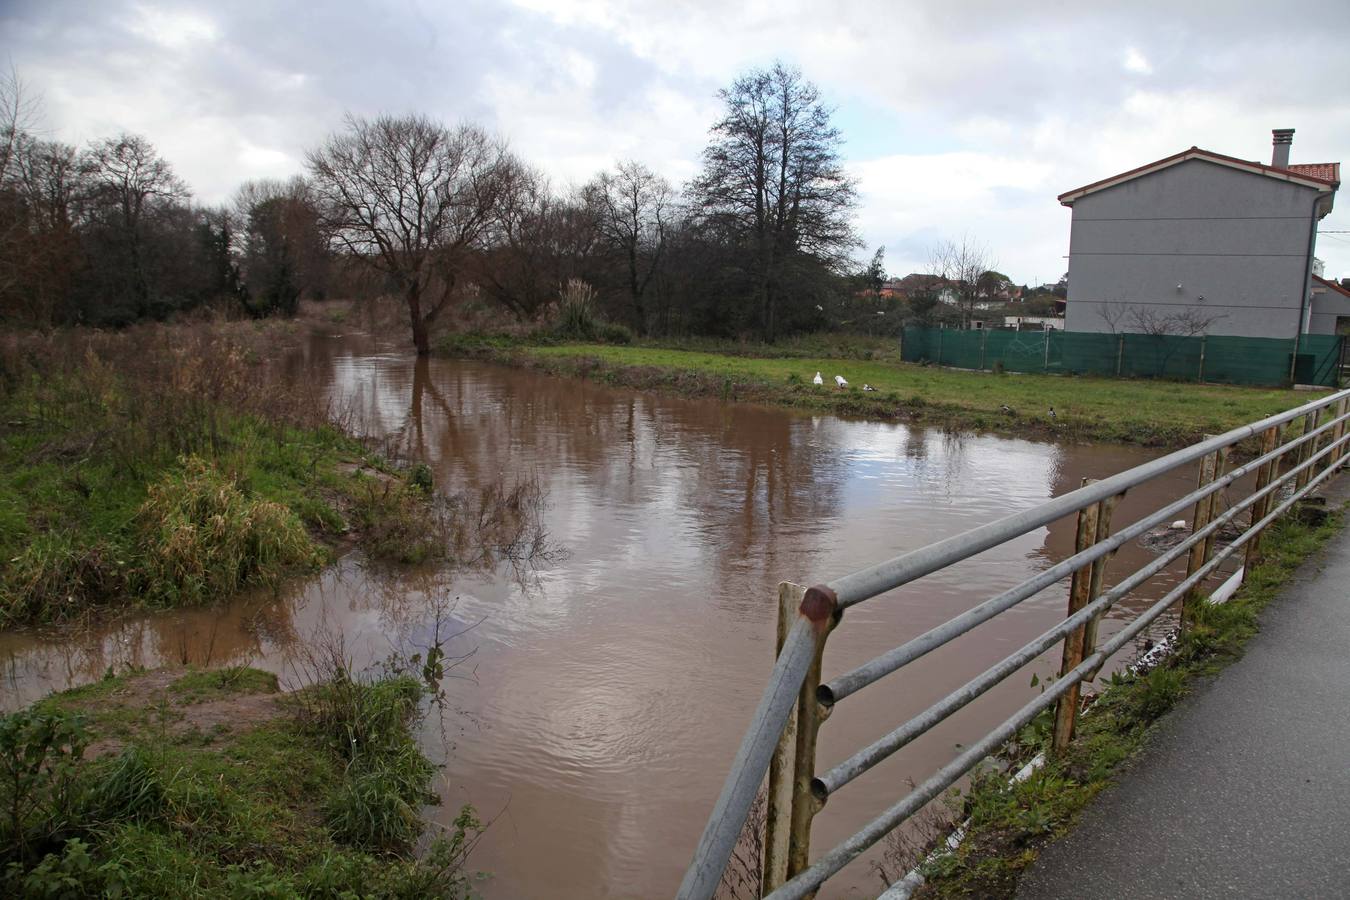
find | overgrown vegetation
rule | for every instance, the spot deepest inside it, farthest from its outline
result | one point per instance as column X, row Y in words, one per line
column 169, row 464
column 114, row 789
column 1009, row 823
column 1152, row 413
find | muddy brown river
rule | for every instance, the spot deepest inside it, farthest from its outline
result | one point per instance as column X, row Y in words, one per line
column 608, row 691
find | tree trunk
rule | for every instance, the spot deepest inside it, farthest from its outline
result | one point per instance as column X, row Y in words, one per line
column 421, row 339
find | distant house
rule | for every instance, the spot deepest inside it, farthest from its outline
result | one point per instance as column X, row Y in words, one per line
column 1202, row 243
column 1034, row 323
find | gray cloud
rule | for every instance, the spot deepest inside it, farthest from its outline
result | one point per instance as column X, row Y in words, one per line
column 965, row 116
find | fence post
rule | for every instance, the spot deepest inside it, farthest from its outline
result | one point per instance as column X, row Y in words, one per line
column 1120, row 353
column 1307, row 449
column 940, row 331
column 1199, row 519
column 782, row 768
column 1066, row 710
column 1270, row 439
column 1201, row 375
column 1106, row 509
column 1045, row 366
column 984, row 339
column 810, row 715
column 1333, row 459
column 1219, row 469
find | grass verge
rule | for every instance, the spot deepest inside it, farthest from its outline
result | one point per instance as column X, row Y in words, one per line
column 209, row 784
column 1010, row 823
column 1151, row 413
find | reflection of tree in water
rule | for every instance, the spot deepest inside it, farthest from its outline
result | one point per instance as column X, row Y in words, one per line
column 743, row 471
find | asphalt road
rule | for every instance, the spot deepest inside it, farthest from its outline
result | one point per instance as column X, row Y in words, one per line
column 1245, row 789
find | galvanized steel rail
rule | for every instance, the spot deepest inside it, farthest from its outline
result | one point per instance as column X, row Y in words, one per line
column 780, row 741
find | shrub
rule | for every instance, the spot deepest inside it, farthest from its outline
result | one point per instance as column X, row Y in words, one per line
column 41, row 794
column 397, row 521
column 577, row 316
column 612, row 333
column 202, row 537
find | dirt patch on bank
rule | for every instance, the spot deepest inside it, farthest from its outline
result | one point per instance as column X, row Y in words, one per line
column 158, row 700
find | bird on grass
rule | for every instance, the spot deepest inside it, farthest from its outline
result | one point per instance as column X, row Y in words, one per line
column 841, row 381
column 868, row 387
column 1052, row 413
column 817, row 379
column 1006, row 409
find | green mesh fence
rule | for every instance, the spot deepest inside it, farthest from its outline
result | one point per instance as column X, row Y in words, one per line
column 1215, row 358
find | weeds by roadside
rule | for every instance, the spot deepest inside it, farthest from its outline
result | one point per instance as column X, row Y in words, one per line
column 1009, row 823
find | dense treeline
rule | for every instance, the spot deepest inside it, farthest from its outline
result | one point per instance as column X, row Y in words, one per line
column 759, row 242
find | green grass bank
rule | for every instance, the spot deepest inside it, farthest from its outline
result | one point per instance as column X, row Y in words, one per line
column 175, row 783
column 1150, row 413
column 166, row 465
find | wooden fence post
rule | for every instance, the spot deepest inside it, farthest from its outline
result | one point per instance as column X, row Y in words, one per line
column 1120, row 354
column 1201, row 375
column 1307, row 449
column 1333, row 459
column 1219, row 469
column 1270, row 439
column 810, row 715
column 1106, row 509
column 783, row 767
column 1199, row 519
column 1066, row 709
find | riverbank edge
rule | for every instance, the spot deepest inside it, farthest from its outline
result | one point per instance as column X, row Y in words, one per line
column 90, row 528
column 190, row 782
column 884, row 406
column 1010, row 822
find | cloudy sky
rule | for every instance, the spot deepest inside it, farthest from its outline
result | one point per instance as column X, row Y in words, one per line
column 961, row 117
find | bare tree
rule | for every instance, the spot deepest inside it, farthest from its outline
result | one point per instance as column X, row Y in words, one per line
column 413, row 200
column 538, row 240
column 129, row 179
column 773, row 180
column 43, row 249
column 1115, row 314
column 1160, row 323
column 631, row 207
column 1187, row 321
column 961, row 265
column 280, row 247
column 20, row 110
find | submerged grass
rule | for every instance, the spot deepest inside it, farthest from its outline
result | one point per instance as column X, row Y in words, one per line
column 1010, row 823
column 1153, row 413
column 282, row 807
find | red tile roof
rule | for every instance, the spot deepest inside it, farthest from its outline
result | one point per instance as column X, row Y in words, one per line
column 1328, row 283
column 1324, row 171
column 1292, row 173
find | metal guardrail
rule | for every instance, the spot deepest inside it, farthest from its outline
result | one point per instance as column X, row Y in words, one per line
column 781, row 738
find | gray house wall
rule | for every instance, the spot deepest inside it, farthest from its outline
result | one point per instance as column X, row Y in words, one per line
column 1239, row 240
column 1327, row 306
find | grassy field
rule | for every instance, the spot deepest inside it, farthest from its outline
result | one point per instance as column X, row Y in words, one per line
column 1153, row 413
column 213, row 784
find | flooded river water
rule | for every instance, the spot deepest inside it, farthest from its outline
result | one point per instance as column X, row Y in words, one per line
column 612, row 687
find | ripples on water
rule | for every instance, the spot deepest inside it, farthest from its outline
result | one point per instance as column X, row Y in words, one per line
column 612, row 689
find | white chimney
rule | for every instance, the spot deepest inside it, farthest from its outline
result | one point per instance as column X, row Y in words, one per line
column 1284, row 137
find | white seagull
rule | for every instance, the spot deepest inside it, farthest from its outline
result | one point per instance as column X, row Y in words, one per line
column 841, row 381
column 868, row 387
column 817, row 379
